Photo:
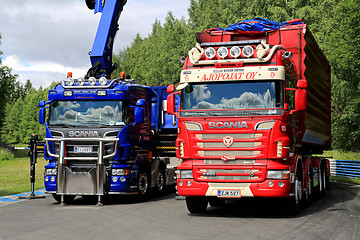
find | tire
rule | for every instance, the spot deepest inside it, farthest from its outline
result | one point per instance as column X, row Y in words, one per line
column 143, row 184
column 160, row 180
column 309, row 189
column 323, row 181
column 196, row 204
column 67, row 198
column 216, row 202
column 296, row 202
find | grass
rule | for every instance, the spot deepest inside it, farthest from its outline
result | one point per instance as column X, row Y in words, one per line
column 345, row 179
column 340, row 155
column 15, row 174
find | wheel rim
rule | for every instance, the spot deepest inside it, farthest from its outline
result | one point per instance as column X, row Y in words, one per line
column 143, row 183
column 298, row 192
column 160, row 181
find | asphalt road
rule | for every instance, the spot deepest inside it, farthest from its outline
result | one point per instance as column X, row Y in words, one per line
column 336, row 216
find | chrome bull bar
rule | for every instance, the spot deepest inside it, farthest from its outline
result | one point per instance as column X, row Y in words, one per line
column 100, row 165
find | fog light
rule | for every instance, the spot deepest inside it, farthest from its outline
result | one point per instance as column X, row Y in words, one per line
column 92, row 81
column 46, row 179
column 114, row 179
column 210, row 52
column 188, row 183
column 181, row 183
column 81, row 81
column 271, row 184
column 248, row 51
column 102, row 81
column 52, row 179
column 281, row 184
column 70, row 81
column 222, row 52
column 122, row 179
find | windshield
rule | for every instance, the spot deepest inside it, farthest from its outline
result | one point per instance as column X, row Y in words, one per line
column 86, row 113
column 255, row 97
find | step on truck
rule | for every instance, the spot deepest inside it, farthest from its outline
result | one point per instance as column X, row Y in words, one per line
column 107, row 136
column 254, row 112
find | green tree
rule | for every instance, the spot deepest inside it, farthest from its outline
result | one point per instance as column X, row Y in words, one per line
column 7, row 85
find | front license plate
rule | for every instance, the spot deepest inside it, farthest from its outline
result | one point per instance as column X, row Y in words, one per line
column 229, row 193
column 82, row 149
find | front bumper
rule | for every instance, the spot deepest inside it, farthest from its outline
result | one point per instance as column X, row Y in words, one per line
column 190, row 187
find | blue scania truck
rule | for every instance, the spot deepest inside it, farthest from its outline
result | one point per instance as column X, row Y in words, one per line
column 107, row 136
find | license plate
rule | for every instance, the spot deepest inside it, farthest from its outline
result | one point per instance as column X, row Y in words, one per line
column 229, row 193
column 82, row 149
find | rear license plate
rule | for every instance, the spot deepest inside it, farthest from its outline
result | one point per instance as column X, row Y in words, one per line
column 82, row 149
column 229, row 193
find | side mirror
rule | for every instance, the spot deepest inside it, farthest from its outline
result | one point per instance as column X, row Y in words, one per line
column 139, row 111
column 139, row 115
column 42, row 103
column 302, row 84
column 170, row 107
column 170, row 88
column 300, row 100
column 42, row 115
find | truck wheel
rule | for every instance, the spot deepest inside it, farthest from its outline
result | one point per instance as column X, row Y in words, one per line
column 196, row 204
column 309, row 189
column 160, row 181
column 143, row 183
column 296, row 200
column 216, row 202
column 322, row 180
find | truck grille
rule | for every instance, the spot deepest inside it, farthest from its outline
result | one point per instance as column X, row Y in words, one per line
column 233, row 175
column 238, row 145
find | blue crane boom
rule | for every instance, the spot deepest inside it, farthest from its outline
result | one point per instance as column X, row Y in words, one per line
column 101, row 53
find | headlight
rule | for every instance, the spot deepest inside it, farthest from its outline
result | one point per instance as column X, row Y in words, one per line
column 119, row 172
column 235, row 51
column 185, row 174
column 278, row 174
column 92, row 81
column 81, row 81
column 51, row 171
column 248, row 51
column 222, row 52
column 102, row 81
column 210, row 52
column 69, row 81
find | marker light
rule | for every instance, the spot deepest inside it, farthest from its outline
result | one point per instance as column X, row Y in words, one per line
column 210, row 52
column 235, row 51
column 69, row 81
column 92, row 81
column 222, row 52
column 248, row 51
column 81, row 81
column 102, row 81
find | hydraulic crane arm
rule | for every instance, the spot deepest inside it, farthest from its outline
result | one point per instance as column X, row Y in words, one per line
column 101, row 53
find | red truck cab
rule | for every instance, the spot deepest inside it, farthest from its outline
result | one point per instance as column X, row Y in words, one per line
column 255, row 107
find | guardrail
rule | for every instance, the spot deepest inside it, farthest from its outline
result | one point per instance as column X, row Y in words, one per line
column 345, row 168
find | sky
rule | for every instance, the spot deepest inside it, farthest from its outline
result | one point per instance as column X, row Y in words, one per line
column 42, row 40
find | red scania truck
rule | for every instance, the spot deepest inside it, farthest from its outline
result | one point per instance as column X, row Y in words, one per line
column 254, row 112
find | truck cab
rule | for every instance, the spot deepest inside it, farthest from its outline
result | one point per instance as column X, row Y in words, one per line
column 106, row 137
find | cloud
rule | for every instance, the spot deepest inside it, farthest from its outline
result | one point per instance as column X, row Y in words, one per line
column 50, row 36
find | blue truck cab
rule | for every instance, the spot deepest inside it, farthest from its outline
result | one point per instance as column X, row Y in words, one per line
column 107, row 137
